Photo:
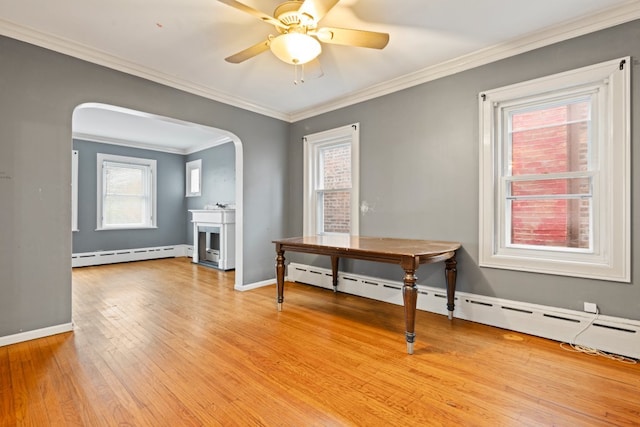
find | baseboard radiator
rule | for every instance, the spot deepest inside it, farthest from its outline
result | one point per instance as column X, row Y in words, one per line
column 610, row 334
column 86, row 259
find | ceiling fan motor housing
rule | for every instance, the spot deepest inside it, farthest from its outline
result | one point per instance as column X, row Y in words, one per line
column 288, row 14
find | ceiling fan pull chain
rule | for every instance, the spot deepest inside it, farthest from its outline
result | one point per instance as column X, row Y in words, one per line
column 295, row 74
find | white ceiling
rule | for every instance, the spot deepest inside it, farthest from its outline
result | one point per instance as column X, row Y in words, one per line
column 183, row 43
column 121, row 126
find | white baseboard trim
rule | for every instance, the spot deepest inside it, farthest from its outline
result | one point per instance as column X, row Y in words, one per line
column 250, row 286
column 610, row 334
column 37, row 333
column 86, row 259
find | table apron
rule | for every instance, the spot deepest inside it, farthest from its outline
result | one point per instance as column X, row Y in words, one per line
column 401, row 260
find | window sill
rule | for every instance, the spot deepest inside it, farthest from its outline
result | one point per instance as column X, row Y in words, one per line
column 127, row 228
column 614, row 270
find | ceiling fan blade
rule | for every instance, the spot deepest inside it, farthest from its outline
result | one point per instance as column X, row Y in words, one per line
column 248, row 9
column 317, row 8
column 350, row 37
column 248, row 53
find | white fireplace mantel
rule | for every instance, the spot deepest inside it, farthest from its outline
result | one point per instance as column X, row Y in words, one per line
column 223, row 220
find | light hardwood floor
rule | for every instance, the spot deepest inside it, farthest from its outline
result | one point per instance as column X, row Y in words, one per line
column 169, row 343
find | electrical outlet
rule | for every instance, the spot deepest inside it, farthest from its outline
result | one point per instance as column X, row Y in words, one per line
column 590, row 307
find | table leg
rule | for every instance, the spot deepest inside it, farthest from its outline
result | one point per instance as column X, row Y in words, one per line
column 451, row 273
column 334, row 271
column 280, row 276
column 410, row 297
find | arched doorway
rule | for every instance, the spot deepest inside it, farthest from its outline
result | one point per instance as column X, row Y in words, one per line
column 121, row 130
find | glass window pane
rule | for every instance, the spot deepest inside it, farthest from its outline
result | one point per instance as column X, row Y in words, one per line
column 125, row 198
column 195, row 181
column 543, row 187
column 336, row 212
column 123, row 210
column 551, row 222
column 336, row 167
column 551, row 139
column 551, row 116
column 124, row 180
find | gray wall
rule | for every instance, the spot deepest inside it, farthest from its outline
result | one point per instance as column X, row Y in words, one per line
column 39, row 90
column 218, row 179
column 171, row 204
column 419, row 172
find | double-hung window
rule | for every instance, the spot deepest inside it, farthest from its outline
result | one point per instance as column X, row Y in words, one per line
column 331, row 174
column 126, row 192
column 555, row 174
column 193, row 178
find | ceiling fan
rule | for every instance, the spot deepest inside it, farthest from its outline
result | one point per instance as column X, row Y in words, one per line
column 299, row 39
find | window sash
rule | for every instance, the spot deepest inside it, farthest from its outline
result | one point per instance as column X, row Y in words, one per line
column 587, row 180
column 340, row 225
column 321, row 167
column 548, row 234
column 548, row 220
column 136, row 203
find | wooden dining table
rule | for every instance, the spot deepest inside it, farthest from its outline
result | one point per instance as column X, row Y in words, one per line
column 409, row 254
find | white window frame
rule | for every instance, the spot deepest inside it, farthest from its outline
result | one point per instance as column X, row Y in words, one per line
column 150, row 221
column 74, row 190
column 610, row 256
column 189, row 168
column 349, row 134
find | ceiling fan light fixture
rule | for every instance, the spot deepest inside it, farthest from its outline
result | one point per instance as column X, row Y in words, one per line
column 295, row 48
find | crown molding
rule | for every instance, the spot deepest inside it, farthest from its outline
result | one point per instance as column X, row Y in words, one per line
column 124, row 143
column 95, row 56
column 567, row 30
column 210, row 144
column 135, row 144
